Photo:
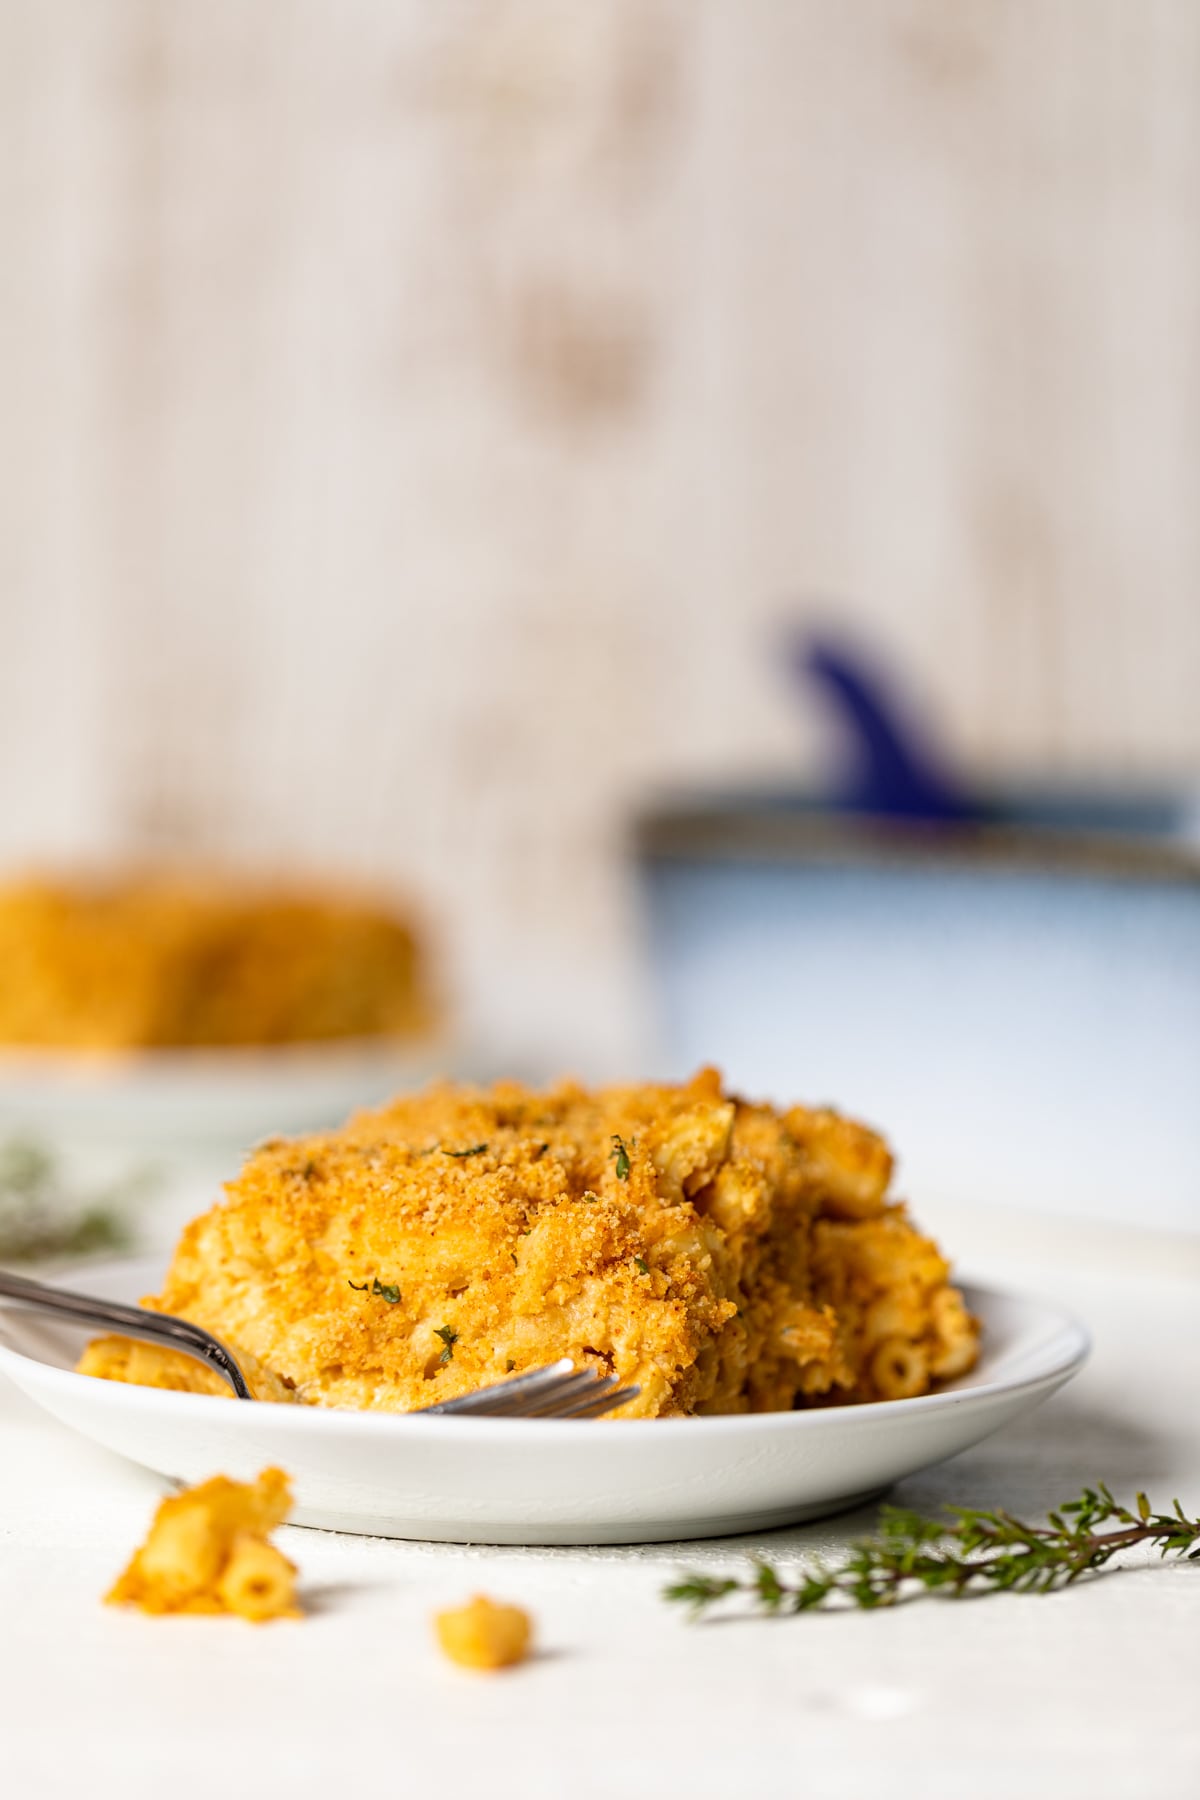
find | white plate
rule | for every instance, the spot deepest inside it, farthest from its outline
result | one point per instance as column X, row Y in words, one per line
column 156, row 1099
column 501, row 1481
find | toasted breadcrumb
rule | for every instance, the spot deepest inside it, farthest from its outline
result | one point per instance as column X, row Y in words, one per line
column 484, row 1634
column 719, row 1254
column 207, row 1552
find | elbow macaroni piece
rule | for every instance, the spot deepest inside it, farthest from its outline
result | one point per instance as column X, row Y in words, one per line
column 151, row 1365
column 257, row 1581
column 206, row 1552
column 484, row 1634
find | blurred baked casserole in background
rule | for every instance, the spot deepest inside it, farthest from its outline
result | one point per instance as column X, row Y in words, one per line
column 157, row 960
column 725, row 1256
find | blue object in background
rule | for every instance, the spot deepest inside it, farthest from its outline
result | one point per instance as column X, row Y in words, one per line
column 1006, row 982
column 1020, row 1017
column 890, row 770
column 890, row 766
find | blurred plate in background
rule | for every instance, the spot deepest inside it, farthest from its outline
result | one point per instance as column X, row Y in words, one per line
column 174, row 1099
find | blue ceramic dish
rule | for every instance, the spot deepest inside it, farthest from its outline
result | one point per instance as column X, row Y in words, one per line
column 1016, row 1003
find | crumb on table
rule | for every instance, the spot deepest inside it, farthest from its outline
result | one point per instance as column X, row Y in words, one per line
column 484, row 1634
column 207, row 1552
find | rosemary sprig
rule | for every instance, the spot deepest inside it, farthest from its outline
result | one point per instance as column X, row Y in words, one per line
column 968, row 1552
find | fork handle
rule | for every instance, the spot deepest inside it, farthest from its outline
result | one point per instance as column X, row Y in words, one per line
column 131, row 1321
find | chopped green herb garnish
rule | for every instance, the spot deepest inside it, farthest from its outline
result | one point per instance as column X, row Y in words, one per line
column 384, row 1290
column 449, row 1338
column 472, row 1150
column 641, row 1265
column 588, row 1195
column 622, row 1156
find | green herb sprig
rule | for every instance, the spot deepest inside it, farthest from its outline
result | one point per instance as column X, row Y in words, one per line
column 383, row 1288
column 42, row 1216
column 449, row 1338
column 471, row 1150
column 967, row 1552
column 622, row 1158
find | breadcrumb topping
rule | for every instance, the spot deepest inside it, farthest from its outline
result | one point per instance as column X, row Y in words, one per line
column 722, row 1255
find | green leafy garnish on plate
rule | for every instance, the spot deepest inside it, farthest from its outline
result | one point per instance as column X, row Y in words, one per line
column 384, row 1289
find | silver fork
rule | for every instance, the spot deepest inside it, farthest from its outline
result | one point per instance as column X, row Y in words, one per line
column 559, row 1391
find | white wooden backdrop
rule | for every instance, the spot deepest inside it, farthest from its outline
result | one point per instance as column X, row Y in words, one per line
column 419, row 418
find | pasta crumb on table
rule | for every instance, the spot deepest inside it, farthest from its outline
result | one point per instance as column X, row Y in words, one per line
column 484, row 1634
column 207, row 1552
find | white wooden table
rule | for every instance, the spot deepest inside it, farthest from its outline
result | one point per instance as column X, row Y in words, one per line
column 1090, row 1693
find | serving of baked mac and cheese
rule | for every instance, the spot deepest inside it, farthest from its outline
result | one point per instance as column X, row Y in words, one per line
column 723, row 1255
column 152, row 959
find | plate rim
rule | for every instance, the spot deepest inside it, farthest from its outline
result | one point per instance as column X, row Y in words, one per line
column 1058, row 1367
column 50, row 1066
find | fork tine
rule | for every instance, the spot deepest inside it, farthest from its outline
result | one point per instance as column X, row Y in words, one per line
column 565, row 1393
column 558, row 1391
column 508, row 1395
column 532, row 1379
